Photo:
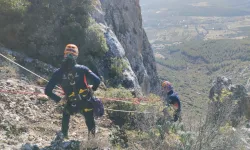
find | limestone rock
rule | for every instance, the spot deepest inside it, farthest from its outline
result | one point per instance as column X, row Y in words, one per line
column 123, row 18
column 228, row 101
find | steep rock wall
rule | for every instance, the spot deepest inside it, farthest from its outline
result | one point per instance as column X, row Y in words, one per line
column 124, row 18
column 229, row 102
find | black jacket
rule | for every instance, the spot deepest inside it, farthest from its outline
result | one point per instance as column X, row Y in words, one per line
column 60, row 78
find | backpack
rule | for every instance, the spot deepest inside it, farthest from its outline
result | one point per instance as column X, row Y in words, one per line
column 98, row 106
column 96, row 102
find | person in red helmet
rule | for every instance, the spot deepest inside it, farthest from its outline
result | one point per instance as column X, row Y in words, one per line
column 73, row 80
column 171, row 98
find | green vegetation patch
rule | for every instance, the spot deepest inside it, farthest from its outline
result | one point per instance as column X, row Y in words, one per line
column 41, row 29
column 118, row 65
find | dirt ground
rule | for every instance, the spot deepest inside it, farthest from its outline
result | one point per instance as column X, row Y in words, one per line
column 26, row 117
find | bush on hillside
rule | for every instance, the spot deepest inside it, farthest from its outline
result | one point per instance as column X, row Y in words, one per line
column 153, row 131
column 117, row 67
column 42, row 29
column 95, row 43
column 12, row 13
column 94, row 47
column 57, row 24
column 146, row 126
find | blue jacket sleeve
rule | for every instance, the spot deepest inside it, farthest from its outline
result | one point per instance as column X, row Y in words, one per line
column 50, row 86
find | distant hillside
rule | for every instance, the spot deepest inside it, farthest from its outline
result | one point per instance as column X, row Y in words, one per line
column 176, row 21
column 196, row 7
column 191, row 66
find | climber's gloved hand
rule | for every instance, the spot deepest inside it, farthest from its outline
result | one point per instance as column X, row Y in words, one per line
column 91, row 91
column 63, row 101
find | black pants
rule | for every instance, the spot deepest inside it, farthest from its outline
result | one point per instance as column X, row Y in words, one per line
column 177, row 115
column 85, row 108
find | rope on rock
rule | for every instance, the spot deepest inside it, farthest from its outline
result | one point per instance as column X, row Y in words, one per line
column 23, row 67
column 126, row 111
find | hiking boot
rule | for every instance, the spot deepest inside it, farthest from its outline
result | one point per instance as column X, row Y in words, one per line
column 66, row 137
column 58, row 139
column 91, row 134
column 60, row 136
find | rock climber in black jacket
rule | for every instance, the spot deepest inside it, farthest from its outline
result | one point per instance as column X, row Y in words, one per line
column 73, row 78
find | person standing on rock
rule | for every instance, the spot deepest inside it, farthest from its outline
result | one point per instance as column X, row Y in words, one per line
column 73, row 80
column 171, row 98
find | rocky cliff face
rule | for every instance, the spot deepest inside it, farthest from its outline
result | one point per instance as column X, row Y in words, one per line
column 124, row 19
column 228, row 111
column 127, row 78
column 229, row 102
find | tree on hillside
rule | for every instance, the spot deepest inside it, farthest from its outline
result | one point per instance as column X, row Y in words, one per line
column 12, row 13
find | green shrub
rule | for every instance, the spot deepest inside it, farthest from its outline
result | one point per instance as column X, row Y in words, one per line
column 13, row 7
column 12, row 13
column 95, row 42
column 42, row 29
column 118, row 93
column 111, row 94
column 143, row 115
column 118, row 138
column 124, row 100
column 47, row 25
column 117, row 67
